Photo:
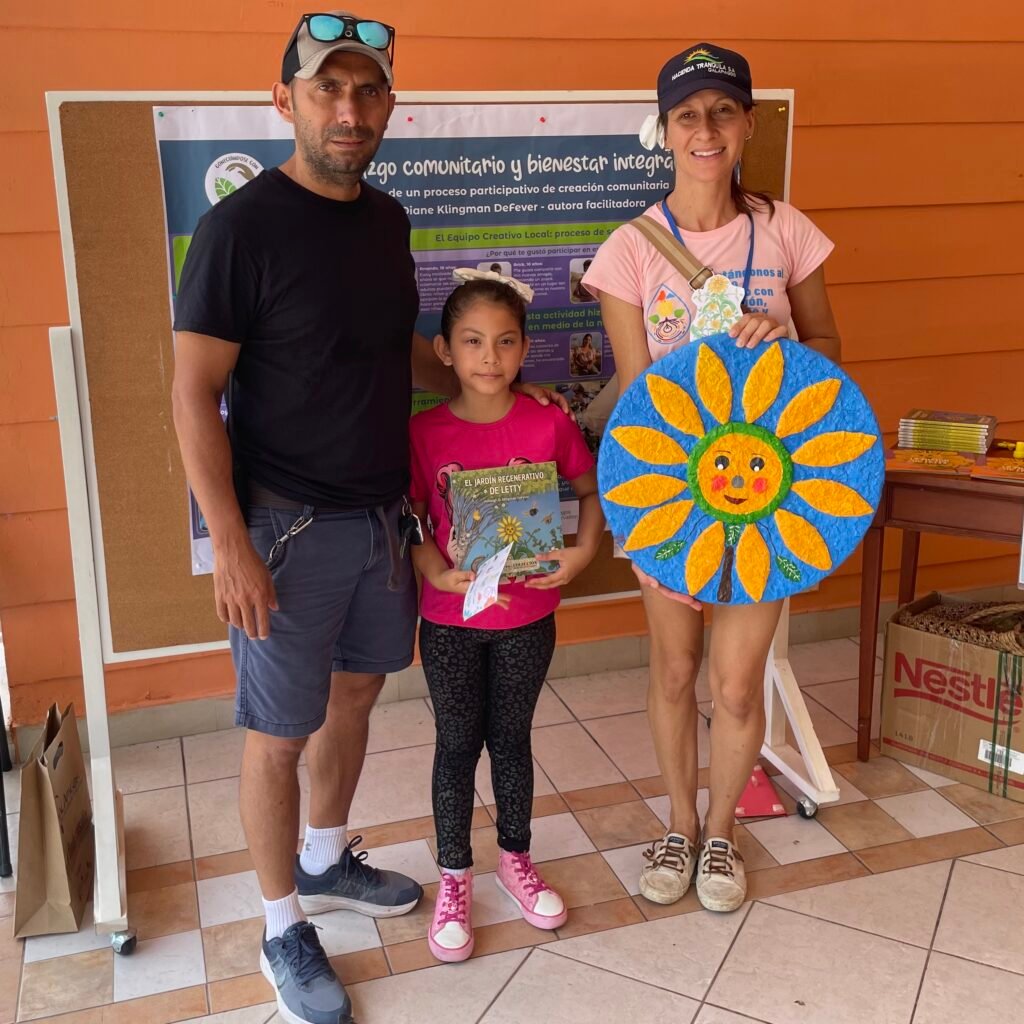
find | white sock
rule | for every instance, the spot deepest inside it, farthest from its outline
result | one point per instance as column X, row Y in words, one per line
column 282, row 914
column 322, row 848
column 456, row 872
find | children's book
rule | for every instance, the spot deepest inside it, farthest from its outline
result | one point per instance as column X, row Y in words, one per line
column 508, row 505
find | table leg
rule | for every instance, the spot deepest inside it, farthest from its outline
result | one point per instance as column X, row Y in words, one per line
column 870, row 591
column 908, row 565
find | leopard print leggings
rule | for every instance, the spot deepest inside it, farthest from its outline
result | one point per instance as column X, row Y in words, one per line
column 484, row 684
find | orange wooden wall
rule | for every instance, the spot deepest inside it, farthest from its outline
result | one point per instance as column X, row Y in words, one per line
column 908, row 151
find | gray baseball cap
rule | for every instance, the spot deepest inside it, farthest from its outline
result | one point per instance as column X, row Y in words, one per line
column 317, row 36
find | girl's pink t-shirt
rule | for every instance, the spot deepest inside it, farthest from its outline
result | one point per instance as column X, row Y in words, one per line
column 443, row 444
column 787, row 248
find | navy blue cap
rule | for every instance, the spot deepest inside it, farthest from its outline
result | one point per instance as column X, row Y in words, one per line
column 704, row 66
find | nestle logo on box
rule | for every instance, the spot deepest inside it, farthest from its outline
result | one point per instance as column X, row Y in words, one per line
column 954, row 688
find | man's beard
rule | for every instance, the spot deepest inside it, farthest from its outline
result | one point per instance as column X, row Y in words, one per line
column 328, row 165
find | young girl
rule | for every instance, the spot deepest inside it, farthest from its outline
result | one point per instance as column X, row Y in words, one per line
column 776, row 254
column 485, row 674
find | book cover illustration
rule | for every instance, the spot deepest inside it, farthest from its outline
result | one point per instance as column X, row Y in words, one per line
column 509, row 505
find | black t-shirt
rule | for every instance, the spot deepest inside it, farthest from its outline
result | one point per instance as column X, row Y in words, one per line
column 321, row 297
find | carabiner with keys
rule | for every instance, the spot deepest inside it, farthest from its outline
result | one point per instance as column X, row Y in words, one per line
column 297, row 527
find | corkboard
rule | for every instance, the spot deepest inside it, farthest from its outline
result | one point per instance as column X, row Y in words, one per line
column 117, row 226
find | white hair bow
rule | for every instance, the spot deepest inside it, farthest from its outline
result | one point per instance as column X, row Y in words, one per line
column 463, row 274
column 652, row 133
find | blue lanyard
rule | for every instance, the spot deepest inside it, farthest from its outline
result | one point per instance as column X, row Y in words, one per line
column 750, row 251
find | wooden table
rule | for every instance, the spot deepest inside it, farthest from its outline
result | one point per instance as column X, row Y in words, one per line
column 919, row 503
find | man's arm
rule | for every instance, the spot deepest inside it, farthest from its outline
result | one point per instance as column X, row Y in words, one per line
column 242, row 583
column 428, row 372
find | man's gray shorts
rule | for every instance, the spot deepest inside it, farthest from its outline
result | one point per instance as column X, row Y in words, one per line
column 336, row 613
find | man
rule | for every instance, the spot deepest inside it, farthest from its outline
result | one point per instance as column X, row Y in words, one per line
column 300, row 290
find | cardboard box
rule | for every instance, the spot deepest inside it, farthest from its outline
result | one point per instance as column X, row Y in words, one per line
column 953, row 708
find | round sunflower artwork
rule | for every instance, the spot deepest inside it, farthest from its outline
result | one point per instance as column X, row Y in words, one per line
column 741, row 475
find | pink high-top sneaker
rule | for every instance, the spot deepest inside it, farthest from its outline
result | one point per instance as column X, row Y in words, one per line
column 537, row 901
column 451, row 932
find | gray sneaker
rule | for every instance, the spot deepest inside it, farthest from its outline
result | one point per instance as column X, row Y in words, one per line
column 353, row 885
column 308, row 990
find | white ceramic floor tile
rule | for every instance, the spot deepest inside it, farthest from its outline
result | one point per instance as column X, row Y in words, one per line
column 541, row 783
column 146, row 766
column 261, row 1014
column 604, row 693
column 981, row 917
column 627, row 863
column 345, row 931
column 413, row 859
column 716, row 1015
column 958, row 991
column 867, row 903
column 793, row 839
column 490, row 904
column 626, row 739
column 229, row 898
column 156, row 828
column 1010, row 859
column 46, row 947
column 401, row 723
column 557, row 990
column 933, row 780
column 681, row 953
column 451, row 992
column 824, row 662
column 848, row 792
column 394, row 786
column 550, row 710
column 160, row 965
column 556, row 836
column 571, row 759
column 213, row 755
column 216, row 822
column 926, row 813
column 825, row 973
column 842, row 699
column 12, row 789
column 662, row 806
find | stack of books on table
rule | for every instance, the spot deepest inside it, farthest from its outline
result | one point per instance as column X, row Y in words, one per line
column 947, row 431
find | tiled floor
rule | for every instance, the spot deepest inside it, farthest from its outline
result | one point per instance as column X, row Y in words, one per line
column 901, row 903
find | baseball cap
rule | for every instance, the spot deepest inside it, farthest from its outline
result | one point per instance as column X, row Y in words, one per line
column 319, row 35
column 704, row 66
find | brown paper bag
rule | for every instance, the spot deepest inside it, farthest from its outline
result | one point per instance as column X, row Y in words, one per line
column 55, row 845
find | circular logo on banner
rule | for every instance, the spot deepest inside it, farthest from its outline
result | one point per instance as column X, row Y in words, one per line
column 228, row 173
column 741, row 475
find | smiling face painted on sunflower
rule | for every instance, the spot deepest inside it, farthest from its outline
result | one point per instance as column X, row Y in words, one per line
column 739, row 473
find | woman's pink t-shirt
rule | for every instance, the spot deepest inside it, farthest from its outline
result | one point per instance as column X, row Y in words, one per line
column 787, row 248
column 443, row 444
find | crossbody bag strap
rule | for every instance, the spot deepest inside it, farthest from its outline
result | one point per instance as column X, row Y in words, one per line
column 679, row 256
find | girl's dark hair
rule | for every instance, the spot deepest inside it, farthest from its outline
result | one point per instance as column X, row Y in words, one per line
column 481, row 291
column 744, row 199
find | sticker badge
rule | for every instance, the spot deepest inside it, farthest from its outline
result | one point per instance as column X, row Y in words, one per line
column 718, row 305
column 668, row 319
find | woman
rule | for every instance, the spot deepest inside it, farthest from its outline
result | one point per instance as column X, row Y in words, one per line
column 706, row 114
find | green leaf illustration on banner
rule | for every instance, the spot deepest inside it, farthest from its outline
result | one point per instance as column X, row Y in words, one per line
column 669, row 550
column 733, row 532
column 788, row 568
column 224, row 187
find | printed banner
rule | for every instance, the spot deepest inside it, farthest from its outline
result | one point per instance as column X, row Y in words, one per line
column 527, row 189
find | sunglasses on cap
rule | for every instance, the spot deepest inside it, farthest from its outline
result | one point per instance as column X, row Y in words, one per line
column 329, row 28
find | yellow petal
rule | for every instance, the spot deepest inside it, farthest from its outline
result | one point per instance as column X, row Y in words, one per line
column 646, row 491
column 674, row 405
column 705, row 557
column 658, row 526
column 713, row 384
column 753, row 562
column 650, row 445
column 833, row 449
column 763, row 383
column 803, row 540
column 834, row 498
column 809, row 406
